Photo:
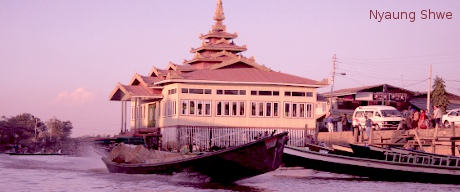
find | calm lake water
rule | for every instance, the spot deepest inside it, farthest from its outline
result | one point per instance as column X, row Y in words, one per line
column 68, row 173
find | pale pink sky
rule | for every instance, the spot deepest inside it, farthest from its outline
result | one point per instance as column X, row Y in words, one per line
column 63, row 58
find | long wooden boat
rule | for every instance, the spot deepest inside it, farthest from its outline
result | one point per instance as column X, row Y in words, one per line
column 226, row 165
column 371, row 152
column 36, row 154
column 372, row 168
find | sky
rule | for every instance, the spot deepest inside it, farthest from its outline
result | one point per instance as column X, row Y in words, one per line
column 64, row 58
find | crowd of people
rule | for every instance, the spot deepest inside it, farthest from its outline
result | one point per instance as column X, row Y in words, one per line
column 420, row 119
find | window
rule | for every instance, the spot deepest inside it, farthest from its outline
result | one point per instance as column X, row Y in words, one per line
column 227, row 108
column 268, row 109
column 264, row 109
column 298, row 94
column 192, row 108
column 309, row 94
column 265, row 93
column 207, row 108
column 261, row 109
column 287, row 109
column 309, row 110
column 242, row 108
column 172, row 91
column 275, row 109
column 287, row 93
column 234, row 108
column 302, row 110
column 369, row 114
column 294, row 110
column 169, row 106
column 191, row 91
column 253, row 108
column 196, row 91
column 184, row 104
column 174, row 107
column 231, row 92
column 199, row 108
column 219, row 108
column 230, row 108
column 359, row 114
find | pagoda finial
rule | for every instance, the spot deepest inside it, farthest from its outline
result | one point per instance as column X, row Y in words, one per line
column 219, row 15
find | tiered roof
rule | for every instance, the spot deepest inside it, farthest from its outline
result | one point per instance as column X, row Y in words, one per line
column 217, row 60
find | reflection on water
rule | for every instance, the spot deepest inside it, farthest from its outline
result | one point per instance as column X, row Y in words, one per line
column 67, row 173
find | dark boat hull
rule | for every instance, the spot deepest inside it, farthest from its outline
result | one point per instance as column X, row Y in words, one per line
column 367, row 152
column 226, row 165
column 371, row 168
column 35, row 154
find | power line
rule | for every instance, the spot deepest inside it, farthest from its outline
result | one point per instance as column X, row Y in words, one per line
column 454, row 53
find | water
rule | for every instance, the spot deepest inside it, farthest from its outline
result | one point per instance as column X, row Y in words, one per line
column 67, row 173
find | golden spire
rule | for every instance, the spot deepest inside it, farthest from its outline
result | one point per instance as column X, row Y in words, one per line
column 219, row 17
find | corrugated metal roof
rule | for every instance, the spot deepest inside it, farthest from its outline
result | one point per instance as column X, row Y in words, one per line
column 354, row 90
column 246, row 75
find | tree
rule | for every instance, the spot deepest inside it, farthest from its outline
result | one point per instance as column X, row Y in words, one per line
column 439, row 94
column 59, row 130
column 19, row 129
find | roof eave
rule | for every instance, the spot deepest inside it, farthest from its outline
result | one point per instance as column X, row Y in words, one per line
column 236, row 82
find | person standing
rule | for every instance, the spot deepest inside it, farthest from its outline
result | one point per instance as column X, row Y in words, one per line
column 409, row 116
column 344, row 122
column 422, row 121
column 437, row 114
column 368, row 125
column 330, row 125
column 415, row 118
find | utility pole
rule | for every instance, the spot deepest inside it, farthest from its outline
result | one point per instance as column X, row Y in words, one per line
column 428, row 95
column 36, row 122
column 332, row 83
column 384, row 89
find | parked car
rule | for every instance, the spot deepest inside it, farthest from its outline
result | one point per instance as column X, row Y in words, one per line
column 383, row 116
column 451, row 116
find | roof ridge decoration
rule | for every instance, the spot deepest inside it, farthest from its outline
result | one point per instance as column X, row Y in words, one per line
column 172, row 66
column 154, row 72
column 222, row 40
column 139, row 78
column 244, row 60
column 197, row 55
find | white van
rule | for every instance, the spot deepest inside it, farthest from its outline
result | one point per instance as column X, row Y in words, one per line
column 383, row 116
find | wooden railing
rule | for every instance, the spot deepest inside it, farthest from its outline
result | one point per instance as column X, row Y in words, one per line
column 204, row 137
